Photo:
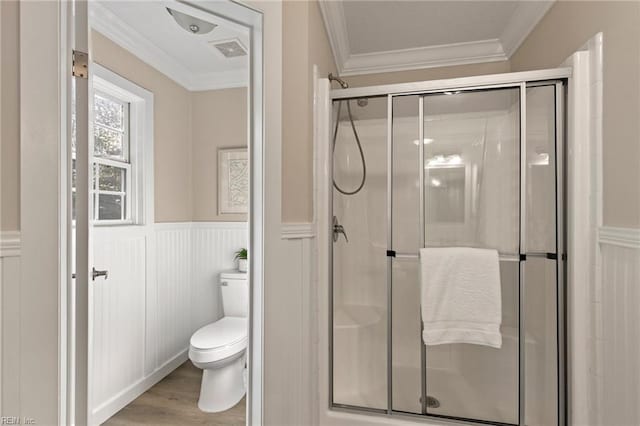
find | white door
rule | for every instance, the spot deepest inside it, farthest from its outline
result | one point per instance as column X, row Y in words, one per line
column 113, row 215
column 81, row 244
column 121, row 303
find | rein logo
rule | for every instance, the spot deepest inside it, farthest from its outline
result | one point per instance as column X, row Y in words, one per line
column 14, row 420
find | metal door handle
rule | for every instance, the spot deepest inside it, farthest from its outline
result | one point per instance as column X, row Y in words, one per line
column 95, row 274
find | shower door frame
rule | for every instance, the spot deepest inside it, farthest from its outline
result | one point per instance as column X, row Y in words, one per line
column 520, row 80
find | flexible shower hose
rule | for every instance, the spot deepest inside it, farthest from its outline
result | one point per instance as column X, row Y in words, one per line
column 355, row 133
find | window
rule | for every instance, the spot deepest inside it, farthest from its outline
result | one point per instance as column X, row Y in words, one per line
column 121, row 168
column 112, row 174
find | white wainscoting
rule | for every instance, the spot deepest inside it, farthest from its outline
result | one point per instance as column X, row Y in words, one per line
column 162, row 286
column 9, row 322
column 190, row 256
column 173, row 277
column 214, row 250
column 616, row 328
column 117, row 315
column 289, row 372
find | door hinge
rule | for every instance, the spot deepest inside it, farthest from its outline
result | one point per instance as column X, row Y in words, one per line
column 80, row 64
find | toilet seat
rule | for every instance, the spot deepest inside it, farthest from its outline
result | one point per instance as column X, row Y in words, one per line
column 219, row 340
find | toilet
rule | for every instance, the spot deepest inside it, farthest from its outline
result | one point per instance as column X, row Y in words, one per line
column 219, row 348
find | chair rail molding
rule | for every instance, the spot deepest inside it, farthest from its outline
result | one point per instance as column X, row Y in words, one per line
column 201, row 225
column 622, row 237
column 293, row 231
column 9, row 243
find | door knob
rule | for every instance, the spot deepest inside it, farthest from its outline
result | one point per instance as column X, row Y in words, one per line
column 95, row 274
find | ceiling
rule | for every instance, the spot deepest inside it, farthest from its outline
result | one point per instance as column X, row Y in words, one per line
column 382, row 36
column 148, row 31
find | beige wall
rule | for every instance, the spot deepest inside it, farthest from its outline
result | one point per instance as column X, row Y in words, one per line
column 189, row 128
column 427, row 74
column 171, row 126
column 304, row 43
column 219, row 120
column 10, row 118
column 565, row 28
column 185, row 152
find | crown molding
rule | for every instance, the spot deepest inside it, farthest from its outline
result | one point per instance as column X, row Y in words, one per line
column 622, row 237
column 336, row 25
column 111, row 26
column 218, row 80
column 9, row 243
column 524, row 19
column 424, row 57
column 522, row 22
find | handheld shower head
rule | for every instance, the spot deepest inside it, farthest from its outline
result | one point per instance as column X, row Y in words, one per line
column 340, row 81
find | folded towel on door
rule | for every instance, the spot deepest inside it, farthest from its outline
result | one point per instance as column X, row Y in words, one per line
column 460, row 296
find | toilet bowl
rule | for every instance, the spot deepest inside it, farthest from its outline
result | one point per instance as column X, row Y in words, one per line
column 219, row 349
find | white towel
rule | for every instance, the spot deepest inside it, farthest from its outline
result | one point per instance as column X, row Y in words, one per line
column 460, row 297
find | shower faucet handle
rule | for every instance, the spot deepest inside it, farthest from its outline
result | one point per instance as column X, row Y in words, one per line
column 337, row 230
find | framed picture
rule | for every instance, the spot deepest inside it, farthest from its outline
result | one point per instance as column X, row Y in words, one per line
column 233, row 181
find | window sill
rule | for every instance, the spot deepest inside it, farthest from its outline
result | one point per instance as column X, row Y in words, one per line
column 104, row 223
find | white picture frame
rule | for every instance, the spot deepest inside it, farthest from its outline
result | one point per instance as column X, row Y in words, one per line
column 233, row 181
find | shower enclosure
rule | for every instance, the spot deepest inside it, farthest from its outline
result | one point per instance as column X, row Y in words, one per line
column 476, row 165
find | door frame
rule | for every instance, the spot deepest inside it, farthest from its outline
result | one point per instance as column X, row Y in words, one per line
column 73, row 313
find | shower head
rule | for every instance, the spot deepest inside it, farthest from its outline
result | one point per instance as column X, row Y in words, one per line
column 340, row 81
column 190, row 23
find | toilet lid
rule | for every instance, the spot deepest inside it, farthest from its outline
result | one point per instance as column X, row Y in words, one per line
column 224, row 332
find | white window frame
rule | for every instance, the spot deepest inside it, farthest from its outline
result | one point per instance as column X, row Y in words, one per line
column 116, row 96
column 138, row 158
column 127, row 194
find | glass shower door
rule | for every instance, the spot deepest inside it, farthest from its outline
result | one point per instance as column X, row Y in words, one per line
column 471, row 199
column 359, row 291
column 472, row 168
column 543, row 269
column 470, row 144
column 406, row 324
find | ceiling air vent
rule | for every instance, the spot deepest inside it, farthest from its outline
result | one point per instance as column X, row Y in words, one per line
column 230, row 48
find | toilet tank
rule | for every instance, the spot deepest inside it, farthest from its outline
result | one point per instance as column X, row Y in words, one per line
column 235, row 294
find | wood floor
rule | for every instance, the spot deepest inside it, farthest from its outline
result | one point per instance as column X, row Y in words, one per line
column 173, row 401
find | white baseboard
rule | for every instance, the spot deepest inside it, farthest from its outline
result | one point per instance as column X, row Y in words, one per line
column 117, row 403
